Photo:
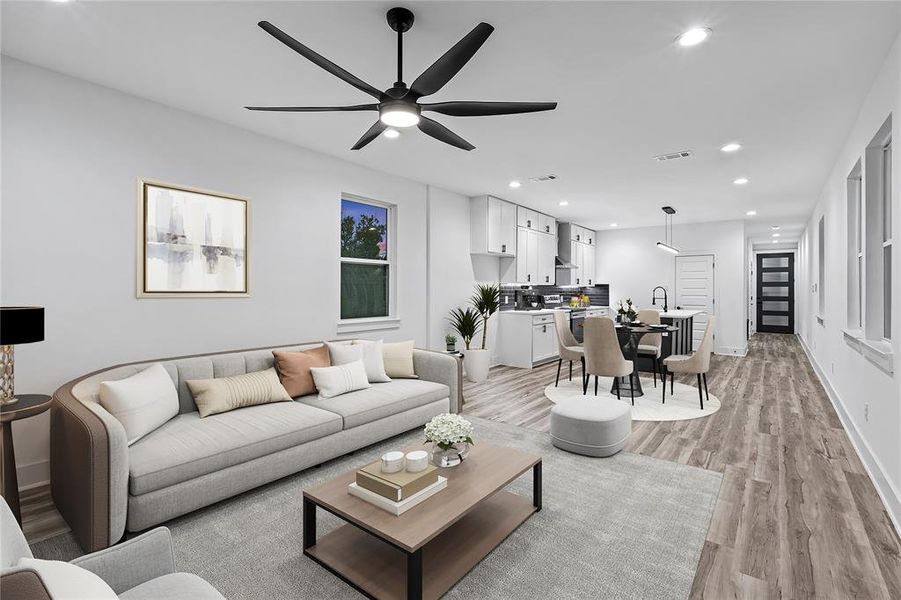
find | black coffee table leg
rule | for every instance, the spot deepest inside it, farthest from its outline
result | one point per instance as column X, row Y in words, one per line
column 536, row 485
column 309, row 523
column 414, row 575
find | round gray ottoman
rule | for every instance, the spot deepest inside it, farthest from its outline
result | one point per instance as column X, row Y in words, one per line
column 591, row 426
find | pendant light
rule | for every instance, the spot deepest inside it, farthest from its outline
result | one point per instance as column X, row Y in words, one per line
column 668, row 212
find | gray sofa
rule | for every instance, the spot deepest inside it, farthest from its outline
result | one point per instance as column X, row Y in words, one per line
column 142, row 568
column 103, row 487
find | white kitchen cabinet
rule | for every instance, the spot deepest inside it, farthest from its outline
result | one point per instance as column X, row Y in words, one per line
column 492, row 226
column 526, row 338
column 547, row 224
column 526, row 256
column 588, row 264
column 576, row 245
column 547, row 254
column 526, row 217
column 544, row 342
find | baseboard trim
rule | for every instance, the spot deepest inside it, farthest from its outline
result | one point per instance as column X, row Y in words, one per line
column 891, row 498
column 33, row 474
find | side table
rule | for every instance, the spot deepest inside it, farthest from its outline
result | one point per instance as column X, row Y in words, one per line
column 27, row 406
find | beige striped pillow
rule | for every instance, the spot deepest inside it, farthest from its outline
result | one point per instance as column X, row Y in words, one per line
column 228, row 393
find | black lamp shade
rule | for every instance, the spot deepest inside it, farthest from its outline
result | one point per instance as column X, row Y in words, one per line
column 21, row 325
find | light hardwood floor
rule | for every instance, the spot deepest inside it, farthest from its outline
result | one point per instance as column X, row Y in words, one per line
column 797, row 516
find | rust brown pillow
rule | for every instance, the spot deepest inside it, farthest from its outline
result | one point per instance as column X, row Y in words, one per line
column 294, row 369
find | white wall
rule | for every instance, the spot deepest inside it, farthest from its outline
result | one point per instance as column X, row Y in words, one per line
column 867, row 398
column 71, row 154
column 629, row 260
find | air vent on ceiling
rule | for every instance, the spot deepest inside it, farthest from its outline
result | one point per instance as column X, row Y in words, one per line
column 543, row 178
column 674, row 155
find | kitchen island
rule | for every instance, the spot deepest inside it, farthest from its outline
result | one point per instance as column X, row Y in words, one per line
column 683, row 320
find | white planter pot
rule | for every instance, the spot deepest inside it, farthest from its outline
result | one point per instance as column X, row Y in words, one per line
column 476, row 363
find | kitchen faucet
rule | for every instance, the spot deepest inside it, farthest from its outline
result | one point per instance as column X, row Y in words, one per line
column 654, row 297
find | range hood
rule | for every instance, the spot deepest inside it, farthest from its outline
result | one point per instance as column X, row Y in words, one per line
column 563, row 264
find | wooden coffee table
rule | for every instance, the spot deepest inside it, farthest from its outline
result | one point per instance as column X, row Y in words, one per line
column 425, row 551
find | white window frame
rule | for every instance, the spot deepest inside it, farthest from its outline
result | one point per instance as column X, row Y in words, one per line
column 885, row 207
column 856, row 257
column 389, row 321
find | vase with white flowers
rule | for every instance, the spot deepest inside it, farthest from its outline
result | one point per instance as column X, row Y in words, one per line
column 626, row 311
column 451, row 438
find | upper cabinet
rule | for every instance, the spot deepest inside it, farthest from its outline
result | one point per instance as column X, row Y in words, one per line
column 526, row 217
column 576, row 245
column 492, row 226
column 547, row 224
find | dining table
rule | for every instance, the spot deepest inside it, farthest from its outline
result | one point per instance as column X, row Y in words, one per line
column 629, row 336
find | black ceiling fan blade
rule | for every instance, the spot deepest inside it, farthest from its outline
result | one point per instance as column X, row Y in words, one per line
column 443, row 70
column 442, row 133
column 319, row 60
column 370, row 135
column 314, row 108
column 467, row 108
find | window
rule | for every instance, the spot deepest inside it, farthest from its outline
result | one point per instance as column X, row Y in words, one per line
column 877, row 241
column 366, row 258
column 821, row 279
column 855, row 249
column 886, row 201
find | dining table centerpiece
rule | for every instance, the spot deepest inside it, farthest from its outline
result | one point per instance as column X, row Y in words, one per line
column 451, row 438
column 626, row 312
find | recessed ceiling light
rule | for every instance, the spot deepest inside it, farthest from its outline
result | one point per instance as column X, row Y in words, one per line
column 392, row 133
column 731, row 147
column 564, row 203
column 775, row 241
column 776, row 234
column 751, row 213
column 514, row 184
column 740, row 181
column 774, row 227
column 612, row 224
column 693, row 36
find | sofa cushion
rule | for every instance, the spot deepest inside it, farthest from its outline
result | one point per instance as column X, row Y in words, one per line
column 380, row 400
column 188, row 446
column 222, row 394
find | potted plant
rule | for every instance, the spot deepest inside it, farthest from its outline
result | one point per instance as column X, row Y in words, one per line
column 486, row 301
column 467, row 322
column 451, row 438
column 626, row 311
column 450, row 342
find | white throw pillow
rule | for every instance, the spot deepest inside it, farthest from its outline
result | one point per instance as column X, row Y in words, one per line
column 65, row 581
column 141, row 402
column 340, row 379
column 367, row 351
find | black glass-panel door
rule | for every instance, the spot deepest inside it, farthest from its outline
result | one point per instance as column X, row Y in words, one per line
column 776, row 292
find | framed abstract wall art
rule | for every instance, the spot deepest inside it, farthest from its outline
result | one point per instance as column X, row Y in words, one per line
column 192, row 243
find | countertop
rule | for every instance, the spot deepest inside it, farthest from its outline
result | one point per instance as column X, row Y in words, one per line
column 547, row 311
column 680, row 314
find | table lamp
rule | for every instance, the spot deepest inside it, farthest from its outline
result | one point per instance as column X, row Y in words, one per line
column 18, row 325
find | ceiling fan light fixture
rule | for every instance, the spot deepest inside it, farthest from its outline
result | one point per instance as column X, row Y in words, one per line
column 392, row 134
column 399, row 114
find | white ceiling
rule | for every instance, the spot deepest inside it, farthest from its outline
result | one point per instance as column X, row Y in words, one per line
column 783, row 78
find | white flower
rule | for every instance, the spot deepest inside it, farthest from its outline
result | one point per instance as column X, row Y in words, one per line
column 448, row 429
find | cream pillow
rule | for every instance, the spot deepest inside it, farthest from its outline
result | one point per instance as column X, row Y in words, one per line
column 367, row 351
column 398, row 359
column 340, row 379
column 228, row 393
column 65, row 581
column 141, row 402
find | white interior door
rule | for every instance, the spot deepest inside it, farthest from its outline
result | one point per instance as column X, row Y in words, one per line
column 695, row 290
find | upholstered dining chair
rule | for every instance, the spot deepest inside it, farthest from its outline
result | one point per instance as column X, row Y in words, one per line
column 696, row 363
column 603, row 355
column 651, row 342
column 567, row 346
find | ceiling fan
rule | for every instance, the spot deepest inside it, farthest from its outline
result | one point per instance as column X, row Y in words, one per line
column 399, row 105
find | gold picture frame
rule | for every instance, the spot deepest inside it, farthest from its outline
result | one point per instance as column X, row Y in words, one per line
column 191, row 242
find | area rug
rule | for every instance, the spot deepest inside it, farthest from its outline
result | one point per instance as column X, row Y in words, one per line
column 680, row 406
column 628, row 526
